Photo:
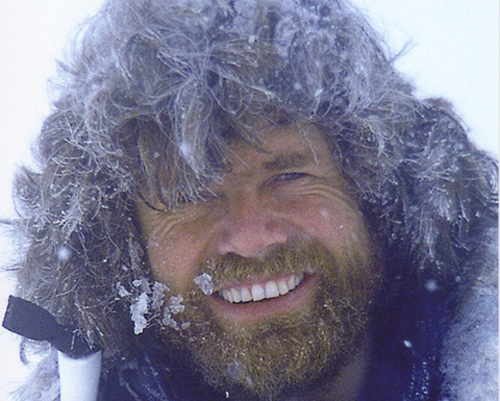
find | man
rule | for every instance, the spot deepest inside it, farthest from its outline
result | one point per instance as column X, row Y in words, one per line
column 244, row 200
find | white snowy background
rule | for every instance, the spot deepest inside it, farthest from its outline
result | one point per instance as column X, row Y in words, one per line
column 452, row 51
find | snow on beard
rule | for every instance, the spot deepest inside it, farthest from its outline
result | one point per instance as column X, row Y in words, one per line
column 290, row 351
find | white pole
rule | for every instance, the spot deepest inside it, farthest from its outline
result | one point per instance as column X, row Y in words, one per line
column 79, row 377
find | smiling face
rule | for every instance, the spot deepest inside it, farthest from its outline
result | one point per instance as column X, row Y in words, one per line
column 293, row 268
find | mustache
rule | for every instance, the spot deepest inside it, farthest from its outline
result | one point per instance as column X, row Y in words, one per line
column 282, row 259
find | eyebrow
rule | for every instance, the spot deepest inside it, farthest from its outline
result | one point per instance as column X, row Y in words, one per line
column 284, row 161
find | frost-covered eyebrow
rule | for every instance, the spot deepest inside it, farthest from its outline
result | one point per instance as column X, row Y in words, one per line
column 285, row 161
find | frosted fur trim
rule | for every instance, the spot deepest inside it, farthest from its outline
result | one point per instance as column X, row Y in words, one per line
column 43, row 383
column 470, row 362
column 149, row 100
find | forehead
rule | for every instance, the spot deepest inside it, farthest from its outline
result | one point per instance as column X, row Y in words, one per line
column 280, row 148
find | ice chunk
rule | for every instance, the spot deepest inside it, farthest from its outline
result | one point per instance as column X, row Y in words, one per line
column 204, row 281
column 138, row 311
column 169, row 321
column 148, row 299
column 176, row 304
column 159, row 290
column 122, row 291
column 142, row 284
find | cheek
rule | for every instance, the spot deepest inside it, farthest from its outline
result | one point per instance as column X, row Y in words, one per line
column 335, row 225
column 174, row 258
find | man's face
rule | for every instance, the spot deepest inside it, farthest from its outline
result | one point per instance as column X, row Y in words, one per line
column 292, row 266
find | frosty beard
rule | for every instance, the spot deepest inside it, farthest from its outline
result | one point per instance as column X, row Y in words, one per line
column 291, row 352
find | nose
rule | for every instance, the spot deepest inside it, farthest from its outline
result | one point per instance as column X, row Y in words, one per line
column 251, row 228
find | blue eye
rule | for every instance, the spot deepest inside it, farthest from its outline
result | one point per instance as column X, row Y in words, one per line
column 290, row 176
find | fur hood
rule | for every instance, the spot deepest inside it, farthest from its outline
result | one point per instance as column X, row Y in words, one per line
column 150, row 97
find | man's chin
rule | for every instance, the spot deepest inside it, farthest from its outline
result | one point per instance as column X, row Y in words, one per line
column 264, row 360
column 268, row 358
column 271, row 346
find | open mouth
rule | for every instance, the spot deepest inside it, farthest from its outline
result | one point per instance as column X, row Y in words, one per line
column 266, row 289
column 262, row 298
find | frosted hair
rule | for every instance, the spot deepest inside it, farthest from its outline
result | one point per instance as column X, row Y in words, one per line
column 152, row 93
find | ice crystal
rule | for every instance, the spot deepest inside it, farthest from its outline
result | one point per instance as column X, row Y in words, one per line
column 138, row 311
column 159, row 290
column 169, row 321
column 122, row 291
column 147, row 301
column 204, row 281
column 143, row 285
column 176, row 304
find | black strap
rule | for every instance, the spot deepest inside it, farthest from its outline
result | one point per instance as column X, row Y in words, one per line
column 34, row 322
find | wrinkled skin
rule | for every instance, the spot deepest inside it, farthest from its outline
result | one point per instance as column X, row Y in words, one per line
column 281, row 211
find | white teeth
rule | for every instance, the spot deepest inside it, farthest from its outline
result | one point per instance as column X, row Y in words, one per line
column 272, row 290
column 236, row 295
column 227, row 295
column 246, row 296
column 258, row 292
column 283, row 288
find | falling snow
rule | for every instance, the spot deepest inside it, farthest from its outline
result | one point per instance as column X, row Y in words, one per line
column 63, row 253
column 431, row 285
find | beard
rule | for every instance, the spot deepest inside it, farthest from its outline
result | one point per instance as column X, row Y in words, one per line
column 292, row 352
